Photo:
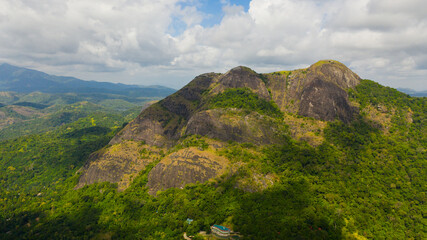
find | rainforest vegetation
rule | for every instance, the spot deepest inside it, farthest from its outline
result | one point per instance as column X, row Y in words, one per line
column 362, row 182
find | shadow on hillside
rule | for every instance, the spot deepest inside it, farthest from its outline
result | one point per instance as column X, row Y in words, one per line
column 287, row 211
column 82, row 224
column 354, row 136
column 86, row 141
column 87, row 131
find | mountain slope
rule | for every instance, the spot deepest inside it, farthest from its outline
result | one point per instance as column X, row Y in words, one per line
column 240, row 105
column 38, row 112
column 260, row 168
column 30, row 99
column 290, row 92
column 354, row 152
column 24, row 80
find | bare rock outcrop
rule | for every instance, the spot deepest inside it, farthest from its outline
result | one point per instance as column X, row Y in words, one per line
column 334, row 72
column 319, row 91
column 185, row 166
column 160, row 124
column 325, row 101
column 242, row 77
column 117, row 164
column 234, row 125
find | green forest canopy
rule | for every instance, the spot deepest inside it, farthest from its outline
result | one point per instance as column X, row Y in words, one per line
column 360, row 183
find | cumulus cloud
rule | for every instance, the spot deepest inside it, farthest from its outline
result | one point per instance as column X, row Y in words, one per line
column 382, row 40
column 105, row 33
column 165, row 42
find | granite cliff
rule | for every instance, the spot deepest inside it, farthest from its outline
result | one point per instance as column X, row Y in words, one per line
column 241, row 106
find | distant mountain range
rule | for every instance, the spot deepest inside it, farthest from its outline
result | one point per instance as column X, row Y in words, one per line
column 314, row 153
column 413, row 93
column 23, row 80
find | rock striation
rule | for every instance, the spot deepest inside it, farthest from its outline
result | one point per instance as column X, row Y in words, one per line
column 319, row 92
column 242, row 77
column 185, row 166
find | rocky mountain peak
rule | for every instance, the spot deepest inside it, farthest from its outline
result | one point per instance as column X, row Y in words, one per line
column 324, row 96
column 238, row 106
column 243, row 77
column 319, row 91
column 335, row 72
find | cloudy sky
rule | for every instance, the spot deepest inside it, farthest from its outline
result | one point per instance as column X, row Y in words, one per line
column 169, row 42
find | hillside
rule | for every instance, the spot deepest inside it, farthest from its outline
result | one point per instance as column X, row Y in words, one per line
column 37, row 112
column 34, row 102
column 315, row 153
column 23, row 80
column 240, row 105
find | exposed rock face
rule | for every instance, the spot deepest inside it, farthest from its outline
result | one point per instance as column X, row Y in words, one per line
column 242, row 77
column 160, row 124
column 163, row 123
column 326, row 101
column 333, row 71
column 115, row 164
column 189, row 165
column 234, row 125
column 142, row 129
column 318, row 91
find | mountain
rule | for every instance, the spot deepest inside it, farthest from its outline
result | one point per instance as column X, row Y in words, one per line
column 24, row 80
column 413, row 93
column 31, row 100
column 315, row 153
column 35, row 112
column 240, row 105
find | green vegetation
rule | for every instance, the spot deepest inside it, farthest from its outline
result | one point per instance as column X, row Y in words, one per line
column 67, row 114
column 37, row 112
column 31, row 104
column 362, row 182
column 190, row 141
column 264, row 78
column 370, row 92
column 244, row 99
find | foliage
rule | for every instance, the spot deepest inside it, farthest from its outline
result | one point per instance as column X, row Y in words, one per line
column 239, row 152
column 50, row 114
column 370, row 92
column 31, row 104
column 190, row 141
column 244, row 99
column 361, row 182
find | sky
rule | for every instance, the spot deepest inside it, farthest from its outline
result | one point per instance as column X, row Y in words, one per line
column 169, row 42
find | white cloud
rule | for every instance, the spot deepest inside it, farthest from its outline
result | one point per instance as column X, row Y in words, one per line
column 375, row 38
column 96, row 31
column 141, row 40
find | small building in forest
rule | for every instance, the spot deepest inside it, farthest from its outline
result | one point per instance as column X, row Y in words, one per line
column 220, row 231
column 189, row 220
